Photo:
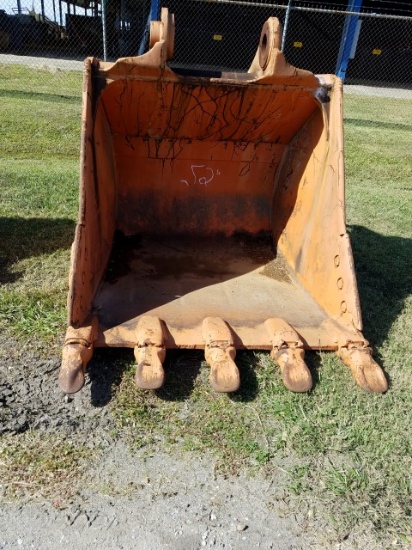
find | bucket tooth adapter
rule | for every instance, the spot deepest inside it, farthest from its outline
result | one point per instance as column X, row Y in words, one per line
column 212, row 216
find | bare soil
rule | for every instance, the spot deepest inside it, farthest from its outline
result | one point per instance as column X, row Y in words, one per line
column 130, row 499
column 146, row 499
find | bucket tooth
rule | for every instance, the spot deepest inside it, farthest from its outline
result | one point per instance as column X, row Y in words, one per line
column 77, row 352
column 220, row 354
column 150, row 353
column 288, row 353
column 74, row 361
column 365, row 370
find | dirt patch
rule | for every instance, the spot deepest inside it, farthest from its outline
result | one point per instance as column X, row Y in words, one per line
column 124, row 499
column 31, row 400
column 104, row 494
column 157, row 502
column 44, row 62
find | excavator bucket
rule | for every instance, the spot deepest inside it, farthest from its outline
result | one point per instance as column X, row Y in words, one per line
column 212, row 217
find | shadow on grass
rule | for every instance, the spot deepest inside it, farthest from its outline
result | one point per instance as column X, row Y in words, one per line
column 373, row 124
column 22, row 238
column 314, row 363
column 182, row 368
column 246, row 360
column 107, row 367
column 384, row 273
column 105, row 371
column 49, row 98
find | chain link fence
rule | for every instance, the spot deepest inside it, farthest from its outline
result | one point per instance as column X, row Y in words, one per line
column 218, row 34
column 366, row 42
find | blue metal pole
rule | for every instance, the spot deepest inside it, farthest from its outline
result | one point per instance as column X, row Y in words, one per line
column 285, row 25
column 349, row 35
column 153, row 16
column 104, row 29
column 155, row 10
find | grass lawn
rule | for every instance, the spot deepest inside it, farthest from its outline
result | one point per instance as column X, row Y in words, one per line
column 346, row 453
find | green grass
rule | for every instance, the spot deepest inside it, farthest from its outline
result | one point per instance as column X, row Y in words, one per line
column 346, row 454
column 38, row 465
column 39, row 136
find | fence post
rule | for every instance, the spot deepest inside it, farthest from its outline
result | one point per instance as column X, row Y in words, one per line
column 154, row 10
column 104, row 29
column 285, row 25
column 153, row 16
column 349, row 34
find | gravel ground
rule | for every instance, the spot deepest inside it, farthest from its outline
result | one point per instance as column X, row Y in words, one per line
column 130, row 499
column 377, row 90
column 142, row 499
column 43, row 62
column 136, row 500
column 158, row 503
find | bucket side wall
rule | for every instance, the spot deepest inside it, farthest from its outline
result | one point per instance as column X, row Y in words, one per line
column 97, row 199
column 309, row 213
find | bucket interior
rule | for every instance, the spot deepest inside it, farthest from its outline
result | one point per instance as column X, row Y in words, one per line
column 199, row 159
column 198, row 201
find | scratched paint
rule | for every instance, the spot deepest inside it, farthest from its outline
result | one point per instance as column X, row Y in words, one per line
column 201, row 175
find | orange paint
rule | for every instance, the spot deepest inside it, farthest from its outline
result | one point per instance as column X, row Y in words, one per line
column 212, row 216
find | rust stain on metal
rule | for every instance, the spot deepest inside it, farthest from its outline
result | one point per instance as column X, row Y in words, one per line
column 276, row 269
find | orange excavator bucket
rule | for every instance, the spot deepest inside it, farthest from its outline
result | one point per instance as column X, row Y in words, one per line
column 212, row 216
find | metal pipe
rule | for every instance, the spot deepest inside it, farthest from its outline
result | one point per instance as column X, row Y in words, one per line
column 355, row 39
column 145, row 37
column 153, row 16
column 285, row 26
column 154, row 10
column 104, row 28
column 348, row 36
